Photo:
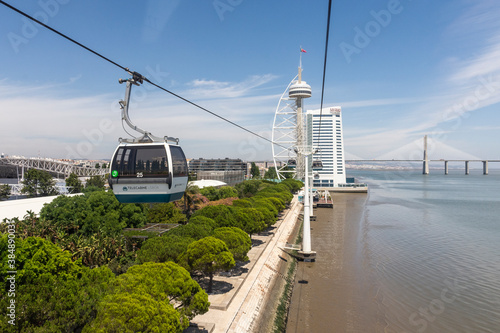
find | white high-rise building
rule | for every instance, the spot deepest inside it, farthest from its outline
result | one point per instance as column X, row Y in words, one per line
column 324, row 131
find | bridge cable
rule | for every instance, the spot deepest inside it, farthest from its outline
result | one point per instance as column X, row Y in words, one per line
column 135, row 73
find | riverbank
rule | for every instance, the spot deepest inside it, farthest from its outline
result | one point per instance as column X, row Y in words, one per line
column 237, row 309
column 332, row 294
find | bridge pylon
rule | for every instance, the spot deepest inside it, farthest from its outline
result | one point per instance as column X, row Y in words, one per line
column 425, row 168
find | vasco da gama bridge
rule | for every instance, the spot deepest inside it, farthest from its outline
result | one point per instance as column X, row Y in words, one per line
column 426, row 161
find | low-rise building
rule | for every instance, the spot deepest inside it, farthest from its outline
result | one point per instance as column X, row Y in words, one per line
column 229, row 171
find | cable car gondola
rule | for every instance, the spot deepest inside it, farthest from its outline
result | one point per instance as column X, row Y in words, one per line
column 148, row 172
column 292, row 163
column 147, row 169
column 317, row 164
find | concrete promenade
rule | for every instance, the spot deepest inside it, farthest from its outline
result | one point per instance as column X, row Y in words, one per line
column 238, row 309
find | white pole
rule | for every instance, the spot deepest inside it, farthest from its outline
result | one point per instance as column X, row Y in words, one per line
column 306, row 241
column 311, row 200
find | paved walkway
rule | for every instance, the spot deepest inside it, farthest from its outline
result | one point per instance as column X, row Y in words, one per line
column 237, row 309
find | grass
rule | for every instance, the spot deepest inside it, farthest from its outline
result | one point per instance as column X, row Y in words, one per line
column 281, row 316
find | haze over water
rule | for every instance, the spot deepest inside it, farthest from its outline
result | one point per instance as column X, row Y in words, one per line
column 431, row 248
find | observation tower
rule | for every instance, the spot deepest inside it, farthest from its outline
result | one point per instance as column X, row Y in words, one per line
column 291, row 148
column 289, row 129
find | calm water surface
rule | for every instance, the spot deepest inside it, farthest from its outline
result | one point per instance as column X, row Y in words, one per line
column 432, row 247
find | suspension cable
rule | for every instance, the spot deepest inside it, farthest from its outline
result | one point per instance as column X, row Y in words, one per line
column 324, row 67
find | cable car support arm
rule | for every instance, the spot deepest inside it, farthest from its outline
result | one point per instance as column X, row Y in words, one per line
column 137, row 79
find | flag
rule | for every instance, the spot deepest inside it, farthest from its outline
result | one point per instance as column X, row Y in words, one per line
column 302, row 50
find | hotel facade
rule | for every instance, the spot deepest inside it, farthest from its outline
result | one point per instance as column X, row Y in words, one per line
column 324, row 131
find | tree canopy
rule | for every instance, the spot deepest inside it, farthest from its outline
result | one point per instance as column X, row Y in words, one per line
column 237, row 241
column 4, row 191
column 192, row 230
column 55, row 293
column 94, row 212
column 96, row 182
column 209, row 255
column 222, row 215
column 213, row 193
column 152, row 297
column 38, row 183
column 162, row 249
column 271, row 173
column 248, row 188
column 166, row 213
column 254, row 171
column 74, row 184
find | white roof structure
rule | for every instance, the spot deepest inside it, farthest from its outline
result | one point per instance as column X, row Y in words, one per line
column 207, row 183
column 19, row 208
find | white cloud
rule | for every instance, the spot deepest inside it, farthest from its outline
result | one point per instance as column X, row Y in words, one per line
column 201, row 88
column 378, row 102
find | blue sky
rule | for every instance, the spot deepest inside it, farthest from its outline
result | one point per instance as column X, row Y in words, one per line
column 399, row 69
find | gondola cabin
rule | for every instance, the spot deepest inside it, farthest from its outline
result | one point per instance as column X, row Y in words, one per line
column 317, row 165
column 148, row 172
column 292, row 163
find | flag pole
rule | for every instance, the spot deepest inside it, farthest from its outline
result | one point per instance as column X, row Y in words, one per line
column 300, row 59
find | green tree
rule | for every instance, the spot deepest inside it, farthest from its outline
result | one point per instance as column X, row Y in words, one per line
column 279, row 191
column 152, row 297
column 237, row 241
column 209, row 255
column 192, row 230
column 293, row 184
column 38, row 182
column 93, row 213
column 227, row 192
column 134, row 312
column 271, row 173
column 252, row 220
column 242, row 203
column 248, row 188
column 36, row 256
column 74, row 184
column 278, row 203
column 53, row 292
column 214, row 194
column 210, row 192
column 224, row 216
column 166, row 213
column 191, row 200
column 254, row 171
column 203, row 220
column 4, row 191
column 96, row 181
column 162, row 249
column 192, row 176
column 97, row 166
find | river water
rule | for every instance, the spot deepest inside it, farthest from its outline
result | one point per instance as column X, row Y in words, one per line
column 423, row 256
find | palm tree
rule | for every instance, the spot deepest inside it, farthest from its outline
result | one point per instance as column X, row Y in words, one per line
column 192, row 200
